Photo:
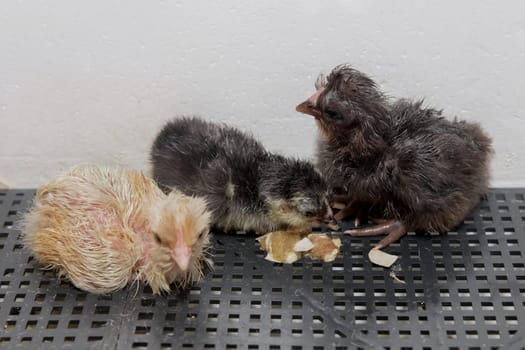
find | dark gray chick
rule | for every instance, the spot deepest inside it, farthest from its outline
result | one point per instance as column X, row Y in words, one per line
column 404, row 162
column 247, row 188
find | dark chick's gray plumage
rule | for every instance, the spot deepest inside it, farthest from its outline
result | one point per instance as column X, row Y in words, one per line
column 247, row 187
column 404, row 161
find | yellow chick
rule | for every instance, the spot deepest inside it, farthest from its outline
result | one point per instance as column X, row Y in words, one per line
column 103, row 228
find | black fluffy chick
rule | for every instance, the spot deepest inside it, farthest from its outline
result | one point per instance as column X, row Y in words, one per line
column 247, row 188
column 402, row 161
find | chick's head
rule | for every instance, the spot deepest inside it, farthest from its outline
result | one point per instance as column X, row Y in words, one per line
column 347, row 102
column 180, row 229
column 297, row 195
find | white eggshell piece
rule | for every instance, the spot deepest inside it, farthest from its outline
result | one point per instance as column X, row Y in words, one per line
column 381, row 258
column 303, row 245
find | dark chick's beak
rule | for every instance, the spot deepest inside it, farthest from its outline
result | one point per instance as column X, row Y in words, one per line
column 329, row 218
column 310, row 106
column 325, row 219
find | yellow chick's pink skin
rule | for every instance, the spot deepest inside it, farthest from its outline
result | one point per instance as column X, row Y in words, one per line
column 103, row 228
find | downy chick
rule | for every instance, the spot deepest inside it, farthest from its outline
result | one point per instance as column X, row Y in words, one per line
column 246, row 187
column 103, row 228
column 404, row 162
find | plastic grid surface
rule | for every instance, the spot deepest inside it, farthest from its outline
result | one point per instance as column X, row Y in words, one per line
column 463, row 290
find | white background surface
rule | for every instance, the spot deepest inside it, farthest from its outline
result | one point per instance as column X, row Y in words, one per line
column 94, row 81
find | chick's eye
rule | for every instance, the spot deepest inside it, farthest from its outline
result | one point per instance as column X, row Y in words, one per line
column 309, row 214
column 331, row 114
column 157, row 238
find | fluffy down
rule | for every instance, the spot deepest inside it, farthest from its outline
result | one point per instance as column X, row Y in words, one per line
column 398, row 159
column 102, row 228
column 246, row 187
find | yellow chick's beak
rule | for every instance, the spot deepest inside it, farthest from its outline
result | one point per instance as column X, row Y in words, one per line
column 181, row 253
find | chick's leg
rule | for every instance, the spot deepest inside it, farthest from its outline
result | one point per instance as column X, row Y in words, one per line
column 394, row 229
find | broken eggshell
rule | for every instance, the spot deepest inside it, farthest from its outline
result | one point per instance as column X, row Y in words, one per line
column 289, row 246
column 381, row 258
column 324, row 248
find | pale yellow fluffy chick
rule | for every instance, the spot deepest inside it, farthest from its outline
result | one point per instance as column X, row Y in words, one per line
column 103, row 228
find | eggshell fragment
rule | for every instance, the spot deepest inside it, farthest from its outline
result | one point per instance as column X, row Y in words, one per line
column 303, row 245
column 290, row 246
column 280, row 246
column 324, row 248
column 381, row 258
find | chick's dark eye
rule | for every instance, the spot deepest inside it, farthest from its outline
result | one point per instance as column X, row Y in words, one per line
column 157, row 238
column 309, row 214
column 331, row 114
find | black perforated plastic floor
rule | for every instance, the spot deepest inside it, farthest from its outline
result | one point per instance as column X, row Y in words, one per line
column 464, row 290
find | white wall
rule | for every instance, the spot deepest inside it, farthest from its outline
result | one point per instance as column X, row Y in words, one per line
column 93, row 81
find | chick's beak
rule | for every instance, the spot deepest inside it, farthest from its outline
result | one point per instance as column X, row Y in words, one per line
column 329, row 218
column 181, row 253
column 331, row 222
column 310, row 105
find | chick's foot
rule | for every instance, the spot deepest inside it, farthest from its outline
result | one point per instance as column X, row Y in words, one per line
column 394, row 229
